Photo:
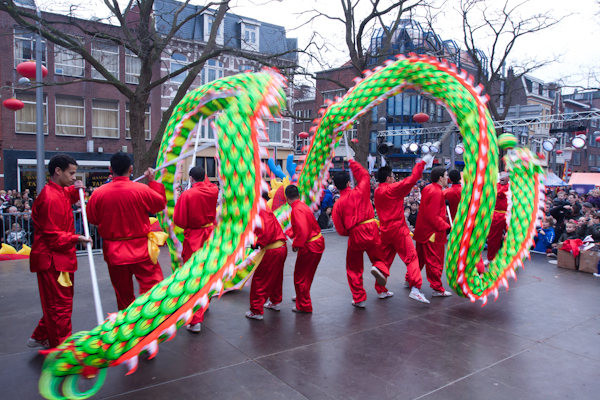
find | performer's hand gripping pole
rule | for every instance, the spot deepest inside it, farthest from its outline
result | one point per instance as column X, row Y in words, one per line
column 97, row 302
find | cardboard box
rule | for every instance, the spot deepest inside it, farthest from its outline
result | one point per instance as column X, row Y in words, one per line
column 566, row 260
column 588, row 261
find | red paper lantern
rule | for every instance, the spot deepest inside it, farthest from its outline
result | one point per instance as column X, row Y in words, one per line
column 541, row 156
column 13, row 104
column 27, row 69
column 303, row 135
column 559, row 152
column 355, row 140
column 597, row 139
column 420, row 118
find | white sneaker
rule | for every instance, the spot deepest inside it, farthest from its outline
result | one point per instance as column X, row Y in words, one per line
column 251, row 315
column 418, row 296
column 37, row 343
column 406, row 284
column 196, row 328
column 595, row 274
column 360, row 304
column 379, row 277
column 385, row 295
column 293, row 298
column 445, row 293
column 269, row 304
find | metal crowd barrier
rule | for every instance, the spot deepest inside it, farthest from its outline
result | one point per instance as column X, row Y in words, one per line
column 22, row 233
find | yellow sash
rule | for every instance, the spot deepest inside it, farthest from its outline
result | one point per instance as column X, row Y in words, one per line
column 314, row 238
column 64, row 279
column 275, row 245
column 500, row 211
column 207, row 225
column 368, row 221
column 155, row 240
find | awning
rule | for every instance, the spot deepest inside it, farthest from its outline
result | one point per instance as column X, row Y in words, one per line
column 552, row 179
column 585, row 178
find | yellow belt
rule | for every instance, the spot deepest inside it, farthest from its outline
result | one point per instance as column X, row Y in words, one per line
column 207, row 225
column 500, row 211
column 275, row 245
column 368, row 221
column 155, row 240
column 314, row 238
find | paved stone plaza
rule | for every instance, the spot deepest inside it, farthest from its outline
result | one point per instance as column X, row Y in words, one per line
column 541, row 340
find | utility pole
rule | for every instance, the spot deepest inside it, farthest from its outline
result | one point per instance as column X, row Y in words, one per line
column 39, row 112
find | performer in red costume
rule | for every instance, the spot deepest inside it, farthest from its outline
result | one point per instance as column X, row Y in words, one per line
column 53, row 251
column 395, row 235
column 353, row 216
column 195, row 213
column 498, row 227
column 267, row 281
column 430, row 230
column 120, row 209
column 308, row 243
column 453, row 194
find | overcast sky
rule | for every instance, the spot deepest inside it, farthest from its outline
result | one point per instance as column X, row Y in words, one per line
column 575, row 39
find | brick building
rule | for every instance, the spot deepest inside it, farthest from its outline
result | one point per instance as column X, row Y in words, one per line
column 89, row 120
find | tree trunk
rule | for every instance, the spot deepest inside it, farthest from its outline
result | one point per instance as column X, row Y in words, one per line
column 363, row 130
column 137, row 115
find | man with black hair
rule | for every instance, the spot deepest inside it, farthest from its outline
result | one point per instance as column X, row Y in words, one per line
column 121, row 211
column 453, row 194
column 195, row 213
column 498, row 227
column 310, row 245
column 395, row 235
column 430, row 232
column 353, row 216
column 53, row 251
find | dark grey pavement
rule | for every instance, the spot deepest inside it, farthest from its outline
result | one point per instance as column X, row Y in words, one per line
column 539, row 340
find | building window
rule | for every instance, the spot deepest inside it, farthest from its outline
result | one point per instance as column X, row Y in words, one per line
column 245, row 68
column 67, row 62
column 105, row 119
column 208, row 24
column 250, row 36
column 440, row 114
column 108, row 55
column 373, row 142
column 70, row 116
column 591, row 160
column 178, row 61
column 299, row 113
column 146, row 122
column 211, row 167
column 332, row 94
column 25, row 118
column 274, row 132
column 307, row 113
column 212, row 70
column 576, row 158
column 598, row 161
column 25, row 46
column 133, row 66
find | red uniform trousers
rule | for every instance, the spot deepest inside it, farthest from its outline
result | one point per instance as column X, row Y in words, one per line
column 496, row 234
column 355, row 268
column 57, row 305
column 268, row 280
column 304, row 272
column 431, row 256
column 146, row 273
column 405, row 248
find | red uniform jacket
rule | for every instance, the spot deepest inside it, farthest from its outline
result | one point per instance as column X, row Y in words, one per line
column 453, row 196
column 304, row 228
column 120, row 209
column 353, row 207
column 389, row 202
column 432, row 217
column 502, row 200
column 54, row 235
column 270, row 231
column 195, row 208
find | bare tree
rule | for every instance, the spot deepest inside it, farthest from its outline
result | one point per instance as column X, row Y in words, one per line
column 502, row 28
column 358, row 28
column 134, row 28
